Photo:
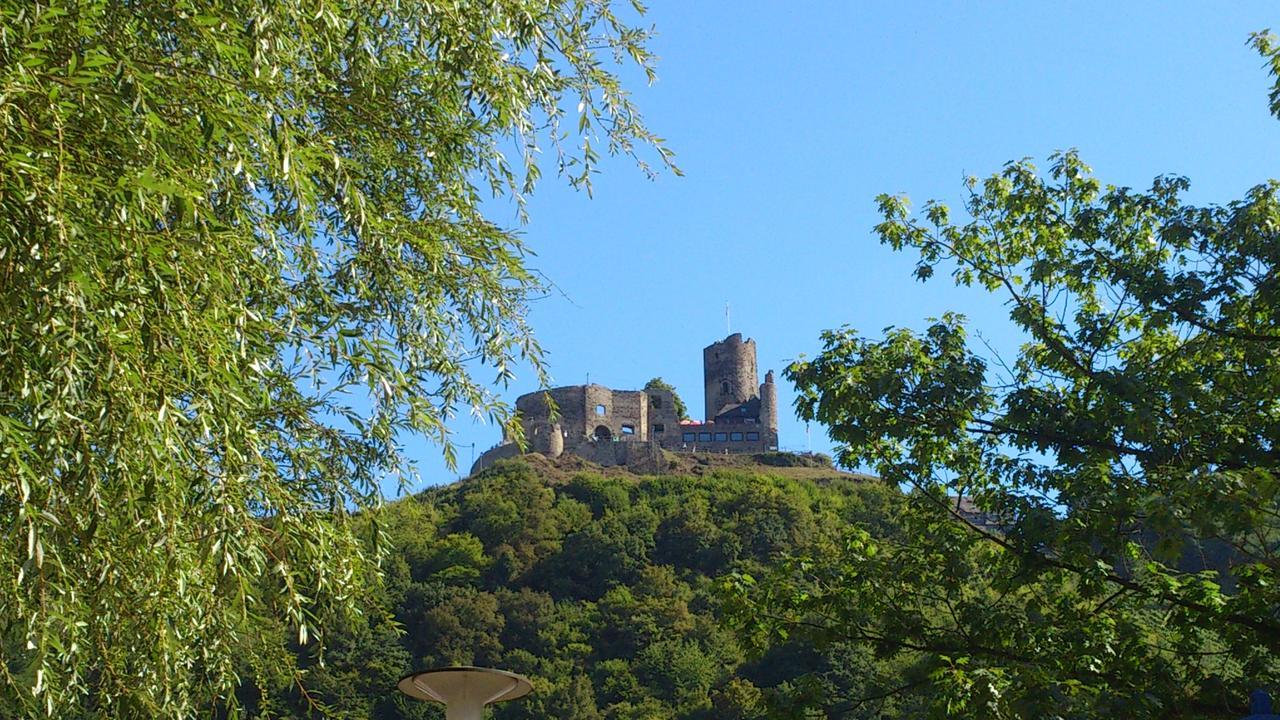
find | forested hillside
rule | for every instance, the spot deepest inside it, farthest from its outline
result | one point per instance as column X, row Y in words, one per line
column 601, row 588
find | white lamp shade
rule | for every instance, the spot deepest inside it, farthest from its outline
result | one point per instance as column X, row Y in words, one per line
column 464, row 690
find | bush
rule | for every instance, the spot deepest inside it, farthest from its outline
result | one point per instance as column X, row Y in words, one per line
column 787, row 459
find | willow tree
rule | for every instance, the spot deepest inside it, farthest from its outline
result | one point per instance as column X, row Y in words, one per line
column 1127, row 455
column 242, row 256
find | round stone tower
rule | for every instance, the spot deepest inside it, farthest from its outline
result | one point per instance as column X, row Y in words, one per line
column 769, row 403
column 729, row 371
column 548, row 439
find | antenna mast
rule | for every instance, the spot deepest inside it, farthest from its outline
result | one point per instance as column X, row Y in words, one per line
column 728, row 329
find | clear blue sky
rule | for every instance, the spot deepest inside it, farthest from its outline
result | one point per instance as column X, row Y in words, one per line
column 788, row 118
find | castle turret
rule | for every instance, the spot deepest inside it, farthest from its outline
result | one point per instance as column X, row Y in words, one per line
column 729, row 371
column 769, row 403
column 548, row 439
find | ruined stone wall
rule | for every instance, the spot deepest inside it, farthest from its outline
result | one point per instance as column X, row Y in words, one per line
column 587, row 413
column 602, row 422
column 493, row 455
column 629, row 415
column 729, row 373
column 570, row 404
column 638, row 456
column 662, row 417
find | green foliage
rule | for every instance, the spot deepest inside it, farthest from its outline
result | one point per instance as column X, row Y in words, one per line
column 682, row 410
column 608, row 618
column 789, row 459
column 1267, row 45
column 242, row 252
column 1127, row 458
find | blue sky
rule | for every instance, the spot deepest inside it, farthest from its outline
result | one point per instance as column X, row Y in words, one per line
column 788, row 118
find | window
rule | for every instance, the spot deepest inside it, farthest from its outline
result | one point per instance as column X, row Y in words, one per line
column 704, row 437
column 600, row 410
column 724, row 387
column 722, row 437
column 659, row 427
column 628, row 429
column 753, row 436
column 736, row 437
column 655, row 402
column 689, row 437
column 602, row 433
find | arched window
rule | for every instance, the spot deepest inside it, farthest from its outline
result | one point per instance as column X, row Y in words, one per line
column 724, row 386
column 603, row 434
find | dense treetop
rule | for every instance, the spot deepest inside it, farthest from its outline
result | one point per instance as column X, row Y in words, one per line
column 1129, row 448
column 601, row 588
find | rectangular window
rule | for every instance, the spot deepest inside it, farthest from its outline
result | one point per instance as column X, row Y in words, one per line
column 659, row 427
column 722, row 437
column 704, row 437
column 628, row 429
column 689, row 437
column 736, row 437
column 753, row 436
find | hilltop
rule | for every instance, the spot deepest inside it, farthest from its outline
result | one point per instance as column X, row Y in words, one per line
column 794, row 466
column 598, row 583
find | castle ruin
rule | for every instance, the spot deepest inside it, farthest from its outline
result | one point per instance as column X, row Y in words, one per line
column 633, row 427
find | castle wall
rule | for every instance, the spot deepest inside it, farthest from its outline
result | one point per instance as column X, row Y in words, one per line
column 570, row 403
column 729, row 373
column 638, row 456
column 630, row 410
column 663, row 420
column 615, row 415
column 493, row 455
column 588, row 411
column 632, row 427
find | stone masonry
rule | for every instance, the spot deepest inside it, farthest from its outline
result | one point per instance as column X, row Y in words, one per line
column 632, row 427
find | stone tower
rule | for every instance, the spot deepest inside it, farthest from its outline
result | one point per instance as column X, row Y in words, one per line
column 548, row 439
column 769, row 403
column 729, row 371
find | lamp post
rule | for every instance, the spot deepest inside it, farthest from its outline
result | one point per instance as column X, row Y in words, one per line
column 464, row 690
